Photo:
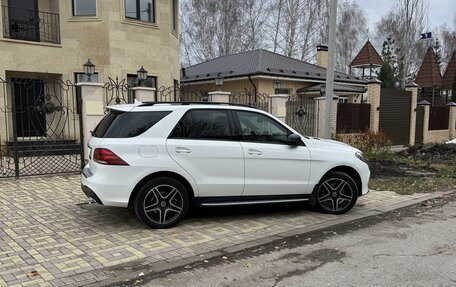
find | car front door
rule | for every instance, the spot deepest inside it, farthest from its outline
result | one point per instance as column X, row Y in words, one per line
column 272, row 167
column 204, row 145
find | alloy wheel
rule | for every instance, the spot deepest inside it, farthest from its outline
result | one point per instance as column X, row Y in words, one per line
column 163, row 204
column 335, row 195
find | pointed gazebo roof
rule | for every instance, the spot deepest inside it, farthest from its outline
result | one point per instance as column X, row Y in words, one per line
column 367, row 57
column 449, row 77
column 429, row 74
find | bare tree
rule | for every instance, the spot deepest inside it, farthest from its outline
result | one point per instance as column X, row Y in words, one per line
column 404, row 23
column 448, row 37
column 351, row 33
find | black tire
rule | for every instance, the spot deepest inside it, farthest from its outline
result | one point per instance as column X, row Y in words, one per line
column 162, row 202
column 336, row 193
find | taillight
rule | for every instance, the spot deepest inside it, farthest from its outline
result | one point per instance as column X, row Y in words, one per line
column 107, row 157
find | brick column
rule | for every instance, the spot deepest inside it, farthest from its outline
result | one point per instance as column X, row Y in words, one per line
column 92, row 110
column 414, row 89
column 219, row 97
column 427, row 107
column 279, row 106
column 145, row 94
column 373, row 98
column 452, row 120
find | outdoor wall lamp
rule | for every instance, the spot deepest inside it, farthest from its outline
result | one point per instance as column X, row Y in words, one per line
column 89, row 69
column 142, row 75
column 277, row 84
column 323, row 90
column 219, row 81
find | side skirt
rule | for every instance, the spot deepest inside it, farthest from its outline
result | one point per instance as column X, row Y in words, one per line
column 249, row 200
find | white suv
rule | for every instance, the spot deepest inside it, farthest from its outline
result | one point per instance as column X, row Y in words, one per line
column 162, row 158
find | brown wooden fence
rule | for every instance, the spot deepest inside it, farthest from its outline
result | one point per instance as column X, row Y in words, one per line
column 352, row 118
column 439, row 118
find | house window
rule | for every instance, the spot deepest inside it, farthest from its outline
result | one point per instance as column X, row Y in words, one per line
column 150, row 82
column 143, row 10
column 175, row 16
column 84, row 7
column 283, row 91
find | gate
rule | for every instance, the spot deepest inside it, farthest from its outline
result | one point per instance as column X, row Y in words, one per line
column 40, row 127
column 301, row 114
column 395, row 108
column 352, row 118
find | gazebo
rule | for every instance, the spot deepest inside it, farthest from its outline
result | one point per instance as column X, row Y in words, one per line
column 367, row 58
column 449, row 77
column 429, row 78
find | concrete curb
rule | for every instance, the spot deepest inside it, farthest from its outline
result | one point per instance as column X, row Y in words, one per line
column 162, row 266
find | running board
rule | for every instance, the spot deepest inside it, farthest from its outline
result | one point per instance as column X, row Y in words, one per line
column 252, row 202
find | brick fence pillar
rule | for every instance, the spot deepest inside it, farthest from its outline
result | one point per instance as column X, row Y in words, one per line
column 427, row 108
column 373, row 98
column 92, row 110
column 219, row 97
column 452, row 120
column 414, row 89
column 279, row 106
column 145, row 94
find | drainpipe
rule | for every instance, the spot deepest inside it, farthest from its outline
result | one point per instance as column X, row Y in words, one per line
column 254, row 88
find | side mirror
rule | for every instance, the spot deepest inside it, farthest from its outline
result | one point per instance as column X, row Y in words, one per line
column 294, row 140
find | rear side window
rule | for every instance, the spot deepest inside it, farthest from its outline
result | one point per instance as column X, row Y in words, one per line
column 117, row 124
column 204, row 124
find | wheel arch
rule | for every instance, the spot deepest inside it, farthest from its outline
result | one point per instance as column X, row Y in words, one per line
column 348, row 170
column 169, row 174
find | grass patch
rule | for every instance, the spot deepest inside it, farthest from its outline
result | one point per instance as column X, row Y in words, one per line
column 410, row 185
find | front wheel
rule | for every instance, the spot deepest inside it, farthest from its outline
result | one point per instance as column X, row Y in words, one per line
column 162, row 202
column 336, row 193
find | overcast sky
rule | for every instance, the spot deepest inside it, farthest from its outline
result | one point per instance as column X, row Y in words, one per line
column 440, row 11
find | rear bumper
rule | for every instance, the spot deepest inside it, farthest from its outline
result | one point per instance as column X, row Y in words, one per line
column 90, row 193
column 110, row 188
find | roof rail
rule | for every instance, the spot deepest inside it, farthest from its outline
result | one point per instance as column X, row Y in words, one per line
column 148, row 104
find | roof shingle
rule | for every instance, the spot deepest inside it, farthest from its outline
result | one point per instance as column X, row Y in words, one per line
column 367, row 57
column 260, row 62
column 449, row 77
column 429, row 74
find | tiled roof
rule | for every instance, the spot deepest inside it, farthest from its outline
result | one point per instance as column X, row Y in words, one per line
column 260, row 62
column 429, row 73
column 367, row 57
column 449, row 78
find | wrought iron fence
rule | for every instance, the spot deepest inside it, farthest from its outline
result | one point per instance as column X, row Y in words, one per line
column 251, row 98
column 180, row 93
column 301, row 114
column 30, row 25
column 117, row 92
column 40, row 128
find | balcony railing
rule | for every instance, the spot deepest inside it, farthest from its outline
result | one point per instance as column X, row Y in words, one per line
column 30, row 25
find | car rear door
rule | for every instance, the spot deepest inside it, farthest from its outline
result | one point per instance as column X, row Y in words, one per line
column 272, row 167
column 203, row 144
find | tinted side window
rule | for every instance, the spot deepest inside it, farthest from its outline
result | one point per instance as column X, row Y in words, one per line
column 256, row 127
column 204, row 124
column 118, row 124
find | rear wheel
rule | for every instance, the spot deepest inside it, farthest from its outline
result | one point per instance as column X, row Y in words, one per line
column 162, row 202
column 336, row 193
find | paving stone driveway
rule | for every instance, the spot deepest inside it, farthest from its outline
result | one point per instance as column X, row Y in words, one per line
column 46, row 227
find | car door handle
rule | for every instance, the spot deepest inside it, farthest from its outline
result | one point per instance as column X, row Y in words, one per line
column 254, row 152
column 183, row 150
